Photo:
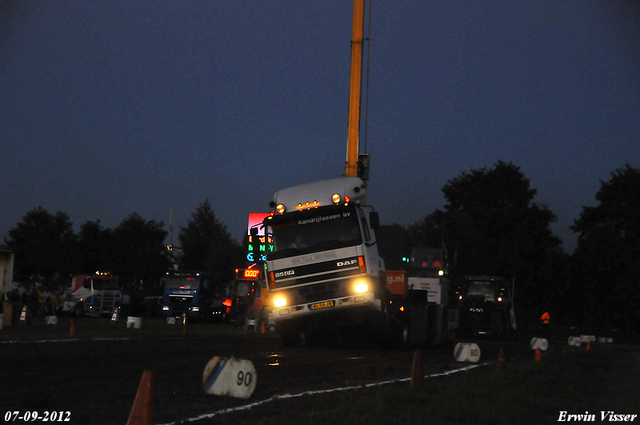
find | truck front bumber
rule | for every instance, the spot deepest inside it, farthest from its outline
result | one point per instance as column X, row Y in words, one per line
column 181, row 302
column 340, row 305
column 193, row 312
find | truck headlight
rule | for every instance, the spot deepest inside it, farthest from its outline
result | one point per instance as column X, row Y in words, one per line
column 361, row 287
column 279, row 302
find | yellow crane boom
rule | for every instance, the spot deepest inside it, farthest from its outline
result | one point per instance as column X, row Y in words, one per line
column 357, row 42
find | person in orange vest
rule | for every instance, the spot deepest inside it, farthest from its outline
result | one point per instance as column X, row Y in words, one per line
column 545, row 320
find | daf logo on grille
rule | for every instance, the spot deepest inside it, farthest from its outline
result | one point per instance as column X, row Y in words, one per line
column 285, row 273
column 347, row 263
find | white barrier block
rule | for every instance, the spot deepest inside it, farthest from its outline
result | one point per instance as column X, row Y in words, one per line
column 134, row 322
column 466, row 352
column 51, row 320
column 575, row 341
column 587, row 338
column 539, row 344
column 230, row 377
column 171, row 320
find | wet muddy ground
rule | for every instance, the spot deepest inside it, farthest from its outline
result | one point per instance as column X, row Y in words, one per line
column 97, row 380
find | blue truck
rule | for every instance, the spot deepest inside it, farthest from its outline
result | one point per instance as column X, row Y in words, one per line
column 186, row 293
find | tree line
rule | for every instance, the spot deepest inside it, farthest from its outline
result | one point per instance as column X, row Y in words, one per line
column 492, row 225
column 47, row 251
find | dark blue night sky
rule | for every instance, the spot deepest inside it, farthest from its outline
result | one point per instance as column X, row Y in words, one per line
column 114, row 107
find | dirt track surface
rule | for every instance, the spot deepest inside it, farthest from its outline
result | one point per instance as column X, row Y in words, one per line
column 97, row 380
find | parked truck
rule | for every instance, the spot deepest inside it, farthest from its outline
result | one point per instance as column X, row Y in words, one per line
column 419, row 299
column 324, row 269
column 94, row 294
column 485, row 306
column 186, row 293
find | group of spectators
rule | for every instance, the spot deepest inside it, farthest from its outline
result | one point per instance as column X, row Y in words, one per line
column 37, row 304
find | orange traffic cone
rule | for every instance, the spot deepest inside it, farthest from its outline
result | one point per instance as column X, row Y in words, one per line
column 500, row 366
column 538, row 357
column 263, row 328
column 72, row 330
column 417, row 374
column 142, row 410
column 589, row 346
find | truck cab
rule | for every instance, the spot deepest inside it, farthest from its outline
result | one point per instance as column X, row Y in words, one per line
column 485, row 304
column 186, row 293
column 419, row 296
column 324, row 269
column 94, row 294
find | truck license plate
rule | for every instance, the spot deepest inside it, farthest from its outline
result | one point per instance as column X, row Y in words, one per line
column 324, row 304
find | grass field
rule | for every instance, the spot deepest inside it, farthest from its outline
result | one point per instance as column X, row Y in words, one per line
column 528, row 392
column 576, row 382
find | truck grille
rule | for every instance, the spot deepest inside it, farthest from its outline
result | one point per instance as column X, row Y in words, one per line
column 321, row 291
column 180, row 299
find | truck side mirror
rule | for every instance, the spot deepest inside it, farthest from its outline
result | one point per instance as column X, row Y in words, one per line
column 375, row 220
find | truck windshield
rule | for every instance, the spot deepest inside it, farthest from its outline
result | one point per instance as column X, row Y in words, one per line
column 181, row 282
column 478, row 288
column 105, row 284
column 315, row 230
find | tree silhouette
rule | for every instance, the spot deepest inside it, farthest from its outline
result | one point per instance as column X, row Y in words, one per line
column 95, row 247
column 207, row 245
column 606, row 271
column 45, row 250
column 139, row 256
column 494, row 226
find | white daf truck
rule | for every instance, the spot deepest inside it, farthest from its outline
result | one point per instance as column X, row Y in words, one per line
column 324, row 270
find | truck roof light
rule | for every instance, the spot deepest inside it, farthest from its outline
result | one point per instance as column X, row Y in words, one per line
column 280, row 208
column 307, row 205
column 335, row 198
